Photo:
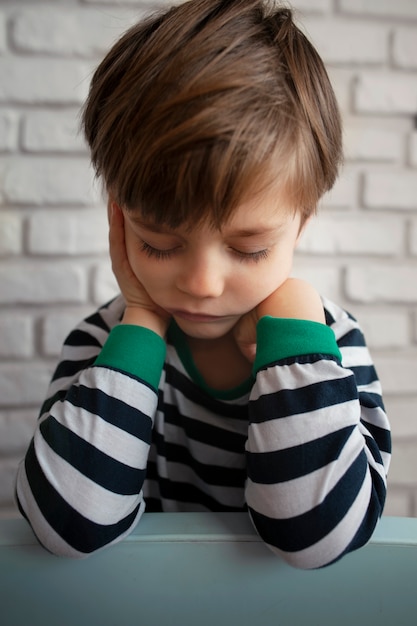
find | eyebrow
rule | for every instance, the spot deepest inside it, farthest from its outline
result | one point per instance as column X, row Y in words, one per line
column 252, row 232
column 152, row 226
column 238, row 233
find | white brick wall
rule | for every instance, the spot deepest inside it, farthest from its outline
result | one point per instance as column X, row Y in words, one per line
column 361, row 250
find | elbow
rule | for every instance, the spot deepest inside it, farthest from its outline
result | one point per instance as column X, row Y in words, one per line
column 61, row 549
column 58, row 546
column 55, row 544
column 311, row 558
column 77, row 538
column 317, row 544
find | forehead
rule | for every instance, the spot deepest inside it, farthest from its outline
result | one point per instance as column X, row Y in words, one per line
column 262, row 212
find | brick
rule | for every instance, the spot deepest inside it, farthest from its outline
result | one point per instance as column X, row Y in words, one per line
column 56, row 131
column 8, row 470
column 415, row 328
column 9, row 128
column 334, row 39
column 341, row 79
column 380, row 8
column 386, row 93
column 104, row 283
column 403, row 469
column 17, row 336
column 135, row 3
column 48, row 181
column 413, row 149
column 23, row 384
column 373, row 144
column 404, row 48
column 413, row 237
column 69, row 232
column 16, row 430
column 390, row 190
column 385, row 329
column 401, row 413
column 369, row 283
column 2, row 33
column 324, row 278
column 40, row 283
column 47, row 81
column 68, row 32
column 10, row 234
column 9, row 510
column 313, row 6
column 353, row 234
column 398, row 502
column 56, row 327
column 344, row 192
column 397, row 372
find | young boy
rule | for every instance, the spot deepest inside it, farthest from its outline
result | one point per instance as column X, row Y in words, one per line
column 214, row 381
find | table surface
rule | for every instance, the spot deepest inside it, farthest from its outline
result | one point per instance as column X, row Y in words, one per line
column 196, row 569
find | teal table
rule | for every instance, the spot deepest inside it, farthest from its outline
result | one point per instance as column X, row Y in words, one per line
column 198, row 569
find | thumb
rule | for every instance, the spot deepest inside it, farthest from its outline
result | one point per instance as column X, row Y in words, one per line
column 245, row 335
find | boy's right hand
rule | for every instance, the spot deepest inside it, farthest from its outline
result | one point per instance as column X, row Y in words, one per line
column 140, row 309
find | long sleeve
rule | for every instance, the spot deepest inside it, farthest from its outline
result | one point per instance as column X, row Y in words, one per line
column 318, row 445
column 80, row 484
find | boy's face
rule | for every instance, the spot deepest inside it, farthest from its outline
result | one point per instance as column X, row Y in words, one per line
column 207, row 279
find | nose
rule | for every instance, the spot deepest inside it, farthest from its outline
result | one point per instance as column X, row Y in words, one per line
column 202, row 276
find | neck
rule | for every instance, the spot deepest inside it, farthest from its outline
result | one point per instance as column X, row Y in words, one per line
column 220, row 362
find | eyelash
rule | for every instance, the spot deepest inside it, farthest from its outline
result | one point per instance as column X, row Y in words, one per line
column 255, row 257
column 163, row 255
column 151, row 252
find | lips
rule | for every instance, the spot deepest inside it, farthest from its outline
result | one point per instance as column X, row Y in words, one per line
column 195, row 317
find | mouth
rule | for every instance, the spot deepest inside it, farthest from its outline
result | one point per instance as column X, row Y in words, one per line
column 195, row 317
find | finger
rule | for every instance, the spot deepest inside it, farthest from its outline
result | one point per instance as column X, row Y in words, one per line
column 116, row 218
column 116, row 230
column 248, row 351
column 245, row 335
column 118, row 254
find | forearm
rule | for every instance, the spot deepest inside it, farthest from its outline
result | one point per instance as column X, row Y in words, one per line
column 81, row 482
column 316, row 482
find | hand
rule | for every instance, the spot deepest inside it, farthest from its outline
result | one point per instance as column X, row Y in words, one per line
column 294, row 299
column 140, row 309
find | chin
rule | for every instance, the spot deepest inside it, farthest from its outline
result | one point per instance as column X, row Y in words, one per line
column 207, row 331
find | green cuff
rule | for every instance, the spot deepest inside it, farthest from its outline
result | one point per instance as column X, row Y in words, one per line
column 281, row 338
column 135, row 350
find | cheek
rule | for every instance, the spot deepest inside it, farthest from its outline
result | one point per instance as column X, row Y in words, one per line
column 153, row 275
column 270, row 278
column 255, row 286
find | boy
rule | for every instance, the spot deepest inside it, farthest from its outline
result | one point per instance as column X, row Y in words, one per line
column 215, row 381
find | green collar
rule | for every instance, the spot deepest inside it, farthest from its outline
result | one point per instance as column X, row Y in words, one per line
column 178, row 339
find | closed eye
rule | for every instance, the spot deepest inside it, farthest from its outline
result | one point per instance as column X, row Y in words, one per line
column 164, row 254
column 156, row 253
column 257, row 256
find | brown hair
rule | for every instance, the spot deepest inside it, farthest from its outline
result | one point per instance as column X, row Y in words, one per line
column 210, row 101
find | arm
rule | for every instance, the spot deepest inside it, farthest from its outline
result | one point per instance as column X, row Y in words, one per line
column 80, row 485
column 318, row 441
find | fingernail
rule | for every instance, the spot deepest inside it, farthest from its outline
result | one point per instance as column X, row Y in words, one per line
column 114, row 208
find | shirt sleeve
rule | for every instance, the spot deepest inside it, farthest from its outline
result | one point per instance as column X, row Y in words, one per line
column 318, row 445
column 80, row 484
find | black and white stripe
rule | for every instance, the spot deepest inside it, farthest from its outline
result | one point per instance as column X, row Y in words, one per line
column 305, row 452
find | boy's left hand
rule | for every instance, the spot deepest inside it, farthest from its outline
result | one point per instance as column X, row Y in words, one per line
column 294, row 299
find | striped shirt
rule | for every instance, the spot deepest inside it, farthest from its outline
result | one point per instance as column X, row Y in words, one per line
column 303, row 446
